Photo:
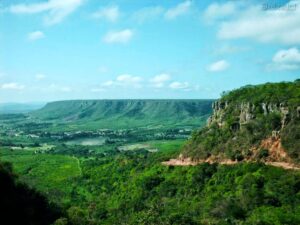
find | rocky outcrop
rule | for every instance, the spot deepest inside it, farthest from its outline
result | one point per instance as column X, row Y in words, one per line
column 219, row 109
column 281, row 108
column 246, row 112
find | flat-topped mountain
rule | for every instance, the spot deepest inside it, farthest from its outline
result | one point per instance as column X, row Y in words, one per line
column 253, row 123
column 126, row 113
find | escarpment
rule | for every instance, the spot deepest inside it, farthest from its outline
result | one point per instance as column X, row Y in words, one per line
column 245, row 112
column 253, row 123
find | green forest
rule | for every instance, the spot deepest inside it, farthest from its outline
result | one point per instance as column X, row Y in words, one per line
column 115, row 175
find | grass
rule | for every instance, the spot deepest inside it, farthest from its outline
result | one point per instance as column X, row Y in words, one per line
column 87, row 141
column 167, row 145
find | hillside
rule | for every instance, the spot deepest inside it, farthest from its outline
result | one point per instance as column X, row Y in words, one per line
column 20, row 204
column 253, row 123
column 126, row 113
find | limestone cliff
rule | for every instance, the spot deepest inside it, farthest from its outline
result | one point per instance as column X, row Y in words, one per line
column 251, row 123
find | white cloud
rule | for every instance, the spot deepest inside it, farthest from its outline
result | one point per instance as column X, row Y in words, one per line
column 98, row 90
column 108, row 83
column 123, row 80
column 180, row 9
column 267, row 26
column 122, row 36
column 180, row 85
column 56, row 10
column 291, row 55
column 40, row 76
column 159, row 80
column 218, row 66
column 35, row 35
column 288, row 59
column 12, row 86
column 110, row 13
column 148, row 13
column 65, row 89
column 56, row 87
column 217, row 11
column 229, row 49
column 129, row 80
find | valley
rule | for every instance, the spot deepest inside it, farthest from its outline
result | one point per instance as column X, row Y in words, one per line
column 161, row 161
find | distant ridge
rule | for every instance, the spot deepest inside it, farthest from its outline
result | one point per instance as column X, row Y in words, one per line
column 125, row 113
column 6, row 108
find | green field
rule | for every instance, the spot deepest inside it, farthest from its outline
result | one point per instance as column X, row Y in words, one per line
column 87, row 141
column 50, row 174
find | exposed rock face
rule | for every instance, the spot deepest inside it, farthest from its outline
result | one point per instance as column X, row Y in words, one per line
column 218, row 113
column 247, row 112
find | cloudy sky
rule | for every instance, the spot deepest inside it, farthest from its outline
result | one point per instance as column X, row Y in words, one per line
column 95, row 49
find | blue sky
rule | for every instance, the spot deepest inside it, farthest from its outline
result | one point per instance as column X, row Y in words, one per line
column 92, row 49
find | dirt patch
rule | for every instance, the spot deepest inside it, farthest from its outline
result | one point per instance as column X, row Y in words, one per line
column 276, row 151
column 277, row 157
column 180, row 161
column 284, row 165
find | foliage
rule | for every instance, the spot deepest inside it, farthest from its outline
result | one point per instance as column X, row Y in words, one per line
column 20, row 204
column 288, row 92
column 236, row 143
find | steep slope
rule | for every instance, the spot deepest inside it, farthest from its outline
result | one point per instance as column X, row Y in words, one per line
column 126, row 113
column 253, row 123
column 22, row 205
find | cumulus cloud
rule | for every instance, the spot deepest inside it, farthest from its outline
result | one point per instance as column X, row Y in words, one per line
column 286, row 59
column 110, row 13
column 217, row 11
column 12, row 86
column 218, row 66
column 129, row 80
column 159, row 80
column 147, row 14
column 33, row 36
column 229, row 49
column 180, row 9
column 56, row 87
column 98, row 90
column 267, row 26
column 108, row 83
column 180, row 85
column 56, row 10
column 123, row 80
column 40, row 76
column 122, row 36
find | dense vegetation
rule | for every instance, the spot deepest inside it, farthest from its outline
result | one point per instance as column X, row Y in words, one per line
column 134, row 188
column 288, row 92
column 234, row 140
column 20, row 204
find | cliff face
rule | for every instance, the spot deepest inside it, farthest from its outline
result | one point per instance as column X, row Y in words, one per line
column 244, row 120
column 246, row 112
